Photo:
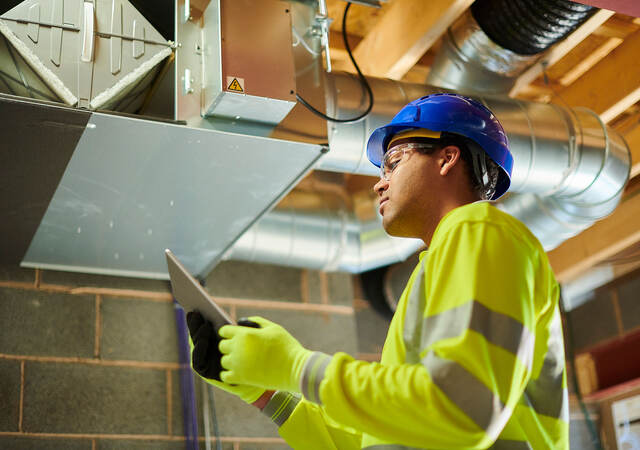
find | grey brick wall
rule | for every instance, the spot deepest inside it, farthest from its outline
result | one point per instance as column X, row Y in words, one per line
column 91, row 361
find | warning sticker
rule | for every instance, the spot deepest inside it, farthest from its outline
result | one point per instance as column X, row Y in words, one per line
column 235, row 84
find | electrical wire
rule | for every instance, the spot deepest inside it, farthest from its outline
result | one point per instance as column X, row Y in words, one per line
column 570, row 357
column 363, row 80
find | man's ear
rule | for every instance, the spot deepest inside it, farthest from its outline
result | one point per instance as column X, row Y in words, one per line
column 449, row 157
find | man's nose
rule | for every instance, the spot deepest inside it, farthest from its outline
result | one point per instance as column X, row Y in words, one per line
column 380, row 186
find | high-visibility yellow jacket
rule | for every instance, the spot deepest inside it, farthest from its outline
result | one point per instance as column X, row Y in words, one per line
column 473, row 358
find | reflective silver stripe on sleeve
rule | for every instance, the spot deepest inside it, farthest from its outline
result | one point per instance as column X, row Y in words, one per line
column 500, row 329
column 469, row 394
column 312, row 375
column 280, row 406
column 546, row 395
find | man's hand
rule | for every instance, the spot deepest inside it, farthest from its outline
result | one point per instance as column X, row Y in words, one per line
column 268, row 356
column 205, row 358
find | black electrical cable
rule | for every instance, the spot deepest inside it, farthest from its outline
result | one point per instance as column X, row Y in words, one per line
column 570, row 358
column 363, row 80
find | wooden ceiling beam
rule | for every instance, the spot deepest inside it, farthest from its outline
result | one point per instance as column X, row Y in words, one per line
column 612, row 85
column 404, row 34
column 337, row 49
column 591, row 60
column 616, row 27
column 560, row 50
column 603, row 240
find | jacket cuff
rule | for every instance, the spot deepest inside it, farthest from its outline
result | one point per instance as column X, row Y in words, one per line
column 280, row 407
column 312, row 375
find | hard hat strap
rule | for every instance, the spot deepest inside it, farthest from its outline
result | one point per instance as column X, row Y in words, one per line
column 478, row 156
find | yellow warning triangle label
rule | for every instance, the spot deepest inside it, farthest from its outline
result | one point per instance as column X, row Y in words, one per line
column 235, row 86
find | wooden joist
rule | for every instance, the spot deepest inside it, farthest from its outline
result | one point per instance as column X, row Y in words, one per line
column 404, row 34
column 559, row 50
column 603, row 240
column 612, row 85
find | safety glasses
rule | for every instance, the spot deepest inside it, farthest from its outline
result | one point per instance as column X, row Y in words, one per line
column 395, row 155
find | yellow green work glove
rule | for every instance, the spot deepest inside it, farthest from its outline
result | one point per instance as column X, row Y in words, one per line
column 205, row 358
column 268, row 356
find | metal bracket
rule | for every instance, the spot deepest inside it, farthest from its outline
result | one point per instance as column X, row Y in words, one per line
column 321, row 28
column 43, row 24
column 186, row 11
column 88, row 35
column 187, row 82
column 132, row 38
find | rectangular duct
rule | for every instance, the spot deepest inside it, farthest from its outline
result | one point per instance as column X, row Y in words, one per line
column 124, row 189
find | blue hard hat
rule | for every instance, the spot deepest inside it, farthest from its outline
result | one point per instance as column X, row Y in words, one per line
column 451, row 113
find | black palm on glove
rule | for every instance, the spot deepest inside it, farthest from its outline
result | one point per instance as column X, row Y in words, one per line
column 205, row 356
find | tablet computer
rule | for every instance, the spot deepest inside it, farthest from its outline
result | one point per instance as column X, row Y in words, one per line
column 191, row 295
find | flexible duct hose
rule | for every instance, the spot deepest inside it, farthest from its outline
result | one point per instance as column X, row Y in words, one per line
column 528, row 27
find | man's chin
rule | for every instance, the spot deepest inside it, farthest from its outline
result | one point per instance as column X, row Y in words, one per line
column 392, row 228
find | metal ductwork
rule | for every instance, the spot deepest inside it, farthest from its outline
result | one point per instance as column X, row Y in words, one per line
column 570, row 168
column 101, row 192
column 529, row 27
column 495, row 40
column 324, row 234
column 101, row 54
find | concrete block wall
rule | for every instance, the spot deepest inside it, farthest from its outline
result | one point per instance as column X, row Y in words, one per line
column 91, row 362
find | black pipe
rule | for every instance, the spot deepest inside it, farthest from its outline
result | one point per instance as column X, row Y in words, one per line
column 528, row 27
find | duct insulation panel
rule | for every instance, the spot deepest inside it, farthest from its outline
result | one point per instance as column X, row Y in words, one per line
column 127, row 188
column 247, row 54
column 100, row 54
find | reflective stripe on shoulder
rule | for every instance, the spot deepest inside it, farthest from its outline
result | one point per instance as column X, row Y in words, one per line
column 280, row 406
column 312, row 375
column 476, row 400
column 546, row 394
column 499, row 329
column 500, row 444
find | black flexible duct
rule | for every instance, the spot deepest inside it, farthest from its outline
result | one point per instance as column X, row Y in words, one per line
column 528, row 27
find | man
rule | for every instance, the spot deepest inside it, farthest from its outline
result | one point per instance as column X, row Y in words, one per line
column 474, row 355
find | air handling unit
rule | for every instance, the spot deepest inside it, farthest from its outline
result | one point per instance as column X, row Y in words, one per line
column 247, row 60
column 98, row 54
